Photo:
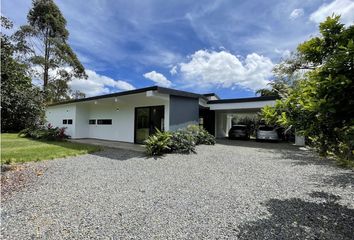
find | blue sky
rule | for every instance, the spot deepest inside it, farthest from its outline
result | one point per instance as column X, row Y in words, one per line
column 226, row 47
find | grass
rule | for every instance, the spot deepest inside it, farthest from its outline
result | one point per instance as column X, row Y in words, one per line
column 15, row 149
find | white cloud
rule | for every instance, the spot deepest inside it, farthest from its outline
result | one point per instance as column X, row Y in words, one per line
column 209, row 69
column 158, row 78
column 296, row 13
column 283, row 53
column 345, row 8
column 173, row 70
column 97, row 84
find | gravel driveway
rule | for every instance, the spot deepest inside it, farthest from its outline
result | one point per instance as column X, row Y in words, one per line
column 238, row 190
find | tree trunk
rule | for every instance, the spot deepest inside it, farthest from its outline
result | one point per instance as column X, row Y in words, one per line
column 46, row 61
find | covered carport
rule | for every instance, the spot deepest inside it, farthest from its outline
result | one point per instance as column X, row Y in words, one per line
column 228, row 109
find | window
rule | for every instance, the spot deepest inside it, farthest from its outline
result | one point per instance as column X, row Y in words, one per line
column 92, row 121
column 104, row 121
column 67, row 121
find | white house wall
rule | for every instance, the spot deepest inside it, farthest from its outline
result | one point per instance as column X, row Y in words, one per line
column 241, row 105
column 82, row 114
column 56, row 114
column 122, row 128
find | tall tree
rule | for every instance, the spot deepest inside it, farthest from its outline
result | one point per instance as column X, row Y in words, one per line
column 321, row 103
column 43, row 44
column 21, row 102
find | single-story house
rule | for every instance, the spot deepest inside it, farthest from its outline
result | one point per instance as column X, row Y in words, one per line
column 131, row 116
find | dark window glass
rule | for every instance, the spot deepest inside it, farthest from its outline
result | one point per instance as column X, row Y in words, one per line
column 70, row 121
column 65, row 121
column 92, row 121
column 104, row 121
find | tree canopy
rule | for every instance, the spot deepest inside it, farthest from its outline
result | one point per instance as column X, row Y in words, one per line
column 43, row 44
column 320, row 103
column 21, row 102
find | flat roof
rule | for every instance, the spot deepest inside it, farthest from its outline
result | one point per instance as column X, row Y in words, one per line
column 172, row 92
column 135, row 91
column 211, row 94
column 238, row 100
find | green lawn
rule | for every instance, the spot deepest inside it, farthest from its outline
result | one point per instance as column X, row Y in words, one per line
column 18, row 149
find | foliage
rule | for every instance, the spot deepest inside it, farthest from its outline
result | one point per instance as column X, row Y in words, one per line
column 45, row 132
column 320, row 105
column 182, row 141
column 158, row 143
column 16, row 149
column 21, row 102
column 277, row 88
column 201, row 136
column 43, row 45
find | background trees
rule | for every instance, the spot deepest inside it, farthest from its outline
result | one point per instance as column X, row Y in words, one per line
column 21, row 102
column 320, row 103
column 43, row 46
column 38, row 50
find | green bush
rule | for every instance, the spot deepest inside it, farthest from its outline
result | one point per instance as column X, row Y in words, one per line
column 44, row 132
column 201, row 136
column 182, row 142
column 158, row 144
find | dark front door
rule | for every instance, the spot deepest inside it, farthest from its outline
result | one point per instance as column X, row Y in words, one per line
column 207, row 120
column 147, row 120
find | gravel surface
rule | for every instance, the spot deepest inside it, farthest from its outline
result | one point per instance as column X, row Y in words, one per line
column 238, row 190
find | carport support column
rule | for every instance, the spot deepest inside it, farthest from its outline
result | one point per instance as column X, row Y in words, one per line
column 299, row 139
column 228, row 124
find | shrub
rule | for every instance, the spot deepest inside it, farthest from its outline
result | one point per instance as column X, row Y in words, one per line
column 158, row 144
column 45, row 132
column 201, row 136
column 182, row 142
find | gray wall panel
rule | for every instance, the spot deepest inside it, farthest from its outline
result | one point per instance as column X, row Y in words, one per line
column 183, row 111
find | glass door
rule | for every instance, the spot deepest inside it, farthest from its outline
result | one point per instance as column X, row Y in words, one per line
column 142, row 124
column 147, row 120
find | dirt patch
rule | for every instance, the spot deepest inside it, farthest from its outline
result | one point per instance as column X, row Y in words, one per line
column 15, row 177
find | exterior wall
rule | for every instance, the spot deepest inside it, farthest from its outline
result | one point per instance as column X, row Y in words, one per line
column 81, row 123
column 56, row 114
column 241, row 105
column 122, row 128
column 220, row 124
column 183, row 111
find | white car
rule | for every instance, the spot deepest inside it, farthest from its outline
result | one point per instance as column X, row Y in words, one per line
column 267, row 133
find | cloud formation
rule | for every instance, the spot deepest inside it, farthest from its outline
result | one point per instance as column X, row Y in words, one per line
column 345, row 8
column 97, row 84
column 158, row 78
column 209, row 69
column 296, row 13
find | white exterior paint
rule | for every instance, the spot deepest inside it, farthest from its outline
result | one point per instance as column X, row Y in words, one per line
column 120, row 109
column 225, row 112
column 241, row 105
column 56, row 114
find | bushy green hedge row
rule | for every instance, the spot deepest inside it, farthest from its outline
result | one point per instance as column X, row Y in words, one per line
column 45, row 132
column 181, row 141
